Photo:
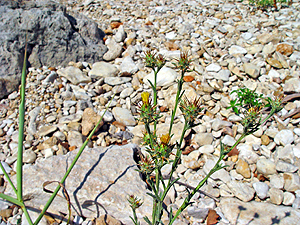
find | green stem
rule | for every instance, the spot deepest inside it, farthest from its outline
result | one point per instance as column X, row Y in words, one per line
column 8, row 178
column 178, row 154
column 70, row 168
column 178, row 94
column 155, row 96
column 11, row 199
column 21, row 131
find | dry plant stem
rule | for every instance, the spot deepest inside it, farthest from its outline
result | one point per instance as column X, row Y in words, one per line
column 71, row 167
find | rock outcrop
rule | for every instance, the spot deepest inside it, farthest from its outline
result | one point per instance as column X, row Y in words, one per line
column 54, row 38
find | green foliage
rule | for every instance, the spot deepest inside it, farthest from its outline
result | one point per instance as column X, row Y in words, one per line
column 266, row 3
column 246, row 99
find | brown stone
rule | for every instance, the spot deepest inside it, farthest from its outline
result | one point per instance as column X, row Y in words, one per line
column 89, row 120
column 188, row 78
column 242, row 168
column 171, row 46
column 274, row 62
column 265, row 140
column 115, row 25
column 285, row 49
column 6, row 213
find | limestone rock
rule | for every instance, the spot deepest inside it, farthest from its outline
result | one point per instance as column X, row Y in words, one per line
column 94, row 187
column 55, row 38
column 238, row 212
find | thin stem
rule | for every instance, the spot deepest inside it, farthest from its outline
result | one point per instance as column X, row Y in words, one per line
column 178, row 94
column 8, row 178
column 11, row 199
column 155, row 95
column 21, row 131
column 70, row 168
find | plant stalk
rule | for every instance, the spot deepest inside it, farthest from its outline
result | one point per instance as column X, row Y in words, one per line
column 70, row 168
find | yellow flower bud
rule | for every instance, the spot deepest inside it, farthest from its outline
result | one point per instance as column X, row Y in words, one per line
column 165, row 139
column 145, row 98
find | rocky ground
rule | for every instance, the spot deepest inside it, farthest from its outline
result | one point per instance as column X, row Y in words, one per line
column 232, row 44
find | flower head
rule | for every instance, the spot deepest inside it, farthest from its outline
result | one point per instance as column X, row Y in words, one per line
column 134, row 202
column 145, row 98
column 190, row 109
column 152, row 60
column 165, row 139
column 183, row 63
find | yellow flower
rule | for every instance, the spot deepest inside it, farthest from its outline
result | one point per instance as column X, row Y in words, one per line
column 165, row 139
column 145, row 98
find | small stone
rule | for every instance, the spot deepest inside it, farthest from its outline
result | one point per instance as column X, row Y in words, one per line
column 50, row 119
column 103, row 69
column 285, row 154
column 203, row 139
column 75, row 138
column 228, row 140
column 116, row 80
column 266, row 166
column 123, row 116
column 282, row 166
column 269, row 48
column 265, row 140
column 219, row 124
column 199, row 213
column 89, row 120
column 252, row 70
column 246, row 153
column 126, row 92
column 207, row 149
column 276, row 181
column 74, row 75
column 128, row 66
column 191, row 160
column 213, row 68
column 45, row 130
column 276, row 196
column 165, row 77
column 274, row 62
column 235, row 49
column 114, row 51
column 291, row 182
column 284, row 137
column 223, row 75
column 120, row 35
column 242, row 168
column 29, row 156
column 48, row 152
column 261, row 189
column 71, row 118
column 292, row 85
column 288, row 198
column 285, row 49
column 5, row 213
column 241, row 190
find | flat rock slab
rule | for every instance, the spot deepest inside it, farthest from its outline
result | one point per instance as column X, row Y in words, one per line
column 99, row 184
column 238, row 212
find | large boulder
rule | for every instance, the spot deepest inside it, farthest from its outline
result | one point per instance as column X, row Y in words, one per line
column 100, row 183
column 54, row 38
